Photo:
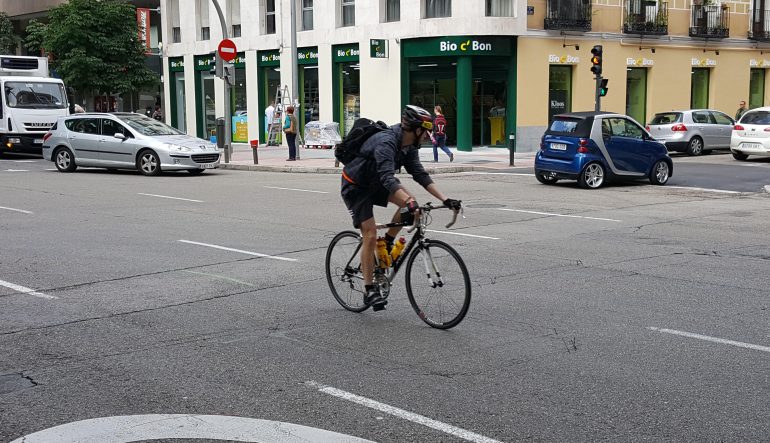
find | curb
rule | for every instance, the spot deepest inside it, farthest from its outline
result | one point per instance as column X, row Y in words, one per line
column 332, row 170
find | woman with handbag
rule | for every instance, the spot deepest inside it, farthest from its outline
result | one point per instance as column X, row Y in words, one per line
column 290, row 129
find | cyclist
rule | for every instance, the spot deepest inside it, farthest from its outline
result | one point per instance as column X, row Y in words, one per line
column 370, row 180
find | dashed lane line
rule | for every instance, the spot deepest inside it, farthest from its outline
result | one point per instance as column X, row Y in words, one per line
column 224, row 248
column 693, row 188
column 463, row 234
column 28, row 291
column 17, row 170
column 712, row 339
column 172, row 198
column 550, row 214
column 16, row 210
column 400, row 413
column 295, row 189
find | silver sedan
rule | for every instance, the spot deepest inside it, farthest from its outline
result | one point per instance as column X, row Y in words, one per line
column 125, row 141
column 693, row 131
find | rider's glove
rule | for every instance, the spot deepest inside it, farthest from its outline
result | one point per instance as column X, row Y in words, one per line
column 412, row 206
column 453, row 204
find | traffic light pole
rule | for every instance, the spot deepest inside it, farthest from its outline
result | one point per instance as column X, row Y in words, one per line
column 597, row 95
column 228, row 105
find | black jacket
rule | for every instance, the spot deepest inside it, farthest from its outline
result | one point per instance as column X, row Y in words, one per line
column 380, row 157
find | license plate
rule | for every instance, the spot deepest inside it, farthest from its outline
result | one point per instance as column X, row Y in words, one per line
column 751, row 145
column 38, row 141
column 558, row 146
column 208, row 166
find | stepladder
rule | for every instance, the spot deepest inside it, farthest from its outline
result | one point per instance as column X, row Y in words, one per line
column 283, row 100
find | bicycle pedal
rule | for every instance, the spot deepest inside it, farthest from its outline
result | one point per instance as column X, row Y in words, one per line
column 379, row 306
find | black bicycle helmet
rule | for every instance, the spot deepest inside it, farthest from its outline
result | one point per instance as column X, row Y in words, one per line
column 416, row 117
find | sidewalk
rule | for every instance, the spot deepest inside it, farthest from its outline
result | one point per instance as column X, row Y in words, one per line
column 273, row 159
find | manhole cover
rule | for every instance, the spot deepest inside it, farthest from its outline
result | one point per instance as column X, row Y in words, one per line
column 14, row 382
column 485, row 205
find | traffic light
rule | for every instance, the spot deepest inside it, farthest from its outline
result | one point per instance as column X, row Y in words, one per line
column 596, row 60
column 229, row 74
column 603, row 87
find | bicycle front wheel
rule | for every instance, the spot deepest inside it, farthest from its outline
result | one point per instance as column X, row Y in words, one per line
column 438, row 284
column 343, row 271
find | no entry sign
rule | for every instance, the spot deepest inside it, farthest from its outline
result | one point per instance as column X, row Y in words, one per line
column 227, row 50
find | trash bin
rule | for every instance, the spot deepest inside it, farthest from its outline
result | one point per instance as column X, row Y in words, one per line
column 220, row 137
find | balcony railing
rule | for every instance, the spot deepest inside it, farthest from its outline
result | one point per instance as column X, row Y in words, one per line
column 568, row 15
column 710, row 21
column 760, row 23
column 647, row 17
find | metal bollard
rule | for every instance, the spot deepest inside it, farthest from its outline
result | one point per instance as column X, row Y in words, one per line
column 254, row 146
column 512, row 148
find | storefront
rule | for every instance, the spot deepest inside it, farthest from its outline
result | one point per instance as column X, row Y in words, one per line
column 469, row 78
column 205, row 96
column 636, row 88
column 346, row 85
column 176, row 85
column 307, row 61
column 269, row 80
column 238, row 101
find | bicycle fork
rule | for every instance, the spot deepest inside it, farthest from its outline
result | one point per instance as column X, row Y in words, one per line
column 428, row 257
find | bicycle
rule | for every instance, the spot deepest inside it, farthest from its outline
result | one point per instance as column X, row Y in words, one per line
column 441, row 302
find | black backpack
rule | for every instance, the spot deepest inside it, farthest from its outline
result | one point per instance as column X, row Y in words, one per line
column 362, row 130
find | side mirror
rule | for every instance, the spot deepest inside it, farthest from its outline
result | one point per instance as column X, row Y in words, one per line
column 119, row 136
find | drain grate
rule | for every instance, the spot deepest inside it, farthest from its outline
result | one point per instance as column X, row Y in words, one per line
column 15, row 382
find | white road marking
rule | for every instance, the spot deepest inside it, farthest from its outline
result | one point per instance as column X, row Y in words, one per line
column 256, row 254
column 558, row 215
column 712, row 339
column 27, row 291
column 52, row 169
column 16, row 210
column 400, row 413
column 173, row 198
column 464, row 235
column 19, row 161
column 499, row 173
column 131, row 428
column 693, row 188
column 293, row 189
column 17, row 170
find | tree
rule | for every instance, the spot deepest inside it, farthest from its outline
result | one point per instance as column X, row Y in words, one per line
column 8, row 38
column 94, row 46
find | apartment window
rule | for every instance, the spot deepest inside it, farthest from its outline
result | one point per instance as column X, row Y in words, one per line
column 176, row 34
column 500, row 8
column 307, row 15
column 348, row 12
column 391, row 10
column 270, row 17
column 234, row 12
column 203, row 20
column 173, row 14
column 438, row 8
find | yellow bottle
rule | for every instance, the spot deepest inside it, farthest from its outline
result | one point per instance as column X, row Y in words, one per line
column 397, row 248
column 382, row 253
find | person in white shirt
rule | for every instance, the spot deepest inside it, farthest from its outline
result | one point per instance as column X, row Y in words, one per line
column 269, row 116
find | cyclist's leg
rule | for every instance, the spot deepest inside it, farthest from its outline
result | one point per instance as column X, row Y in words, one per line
column 393, row 232
column 368, row 245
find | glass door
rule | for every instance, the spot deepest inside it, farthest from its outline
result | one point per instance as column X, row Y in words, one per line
column 559, row 90
column 208, row 109
column 636, row 94
column 433, row 83
column 699, row 89
column 179, row 102
column 757, row 89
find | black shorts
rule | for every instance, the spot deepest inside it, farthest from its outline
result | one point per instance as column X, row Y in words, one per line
column 360, row 201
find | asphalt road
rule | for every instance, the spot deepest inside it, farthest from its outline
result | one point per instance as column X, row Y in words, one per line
column 629, row 313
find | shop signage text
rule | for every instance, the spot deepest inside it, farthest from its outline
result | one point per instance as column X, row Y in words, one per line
column 754, row 63
column 204, row 62
column 564, row 59
column 176, row 64
column 378, row 48
column 143, row 21
column 269, row 58
column 457, row 46
column 468, row 45
column 703, row 62
column 240, row 60
column 639, row 62
column 350, row 52
column 308, row 55
column 345, row 53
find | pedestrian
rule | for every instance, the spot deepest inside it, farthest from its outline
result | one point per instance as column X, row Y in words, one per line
column 438, row 136
column 741, row 110
column 78, row 109
column 269, row 116
column 158, row 114
column 290, row 128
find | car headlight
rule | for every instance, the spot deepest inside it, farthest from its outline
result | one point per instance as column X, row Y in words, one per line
column 178, row 148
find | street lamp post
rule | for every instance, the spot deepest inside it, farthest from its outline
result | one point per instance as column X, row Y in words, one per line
column 228, row 111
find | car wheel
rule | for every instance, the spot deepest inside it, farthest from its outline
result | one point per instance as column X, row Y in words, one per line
column 546, row 178
column 196, row 171
column 592, row 176
column 740, row 156
column 64, row 160
column 148, row 163
column 695, row 147
column 660, row 173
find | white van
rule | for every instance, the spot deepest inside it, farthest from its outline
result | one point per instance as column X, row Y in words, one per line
column 30, row 103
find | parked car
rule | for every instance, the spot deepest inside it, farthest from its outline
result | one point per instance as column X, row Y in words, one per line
column 751, row 135
column 591, row 147
column 125, row 141
column 693, row 131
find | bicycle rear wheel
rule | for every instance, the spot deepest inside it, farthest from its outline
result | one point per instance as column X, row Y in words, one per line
column 440, row 295
column 343, row 271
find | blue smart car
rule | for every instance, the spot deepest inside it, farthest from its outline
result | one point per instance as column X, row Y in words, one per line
column 592, row 147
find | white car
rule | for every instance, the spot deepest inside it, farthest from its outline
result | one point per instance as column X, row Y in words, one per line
column 751, row 135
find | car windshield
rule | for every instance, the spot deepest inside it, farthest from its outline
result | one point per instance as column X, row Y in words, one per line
column 148, row 126
column 756, row 118
column 35, row 95
column 666, row 118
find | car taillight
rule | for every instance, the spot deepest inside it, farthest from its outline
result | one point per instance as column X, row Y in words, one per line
column 647, row 128
column 47, row 136
column 739, row 128
column 582, row 146
column 679, row 127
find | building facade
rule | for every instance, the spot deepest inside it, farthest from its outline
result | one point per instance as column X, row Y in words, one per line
column 497, row 67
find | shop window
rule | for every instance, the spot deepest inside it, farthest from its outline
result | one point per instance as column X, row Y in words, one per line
column 173, row 13
column 500, row 8
column 437, row 8
column 178, row 110
column 203, row 20
column 391, row 10
column 757, row 88
column 269, row 17
column 351, row 94
column 636, row 94
column 234, row 11
column 348, row 10
column 307, row 15
column 559, row 90
column 699, row 88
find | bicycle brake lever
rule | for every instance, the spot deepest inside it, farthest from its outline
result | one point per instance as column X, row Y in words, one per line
column 454, row 217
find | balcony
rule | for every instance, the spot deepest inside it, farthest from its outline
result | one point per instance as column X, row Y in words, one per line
column 568, row 15
column 645, row 17
column 760, row 23
column 710, row 21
